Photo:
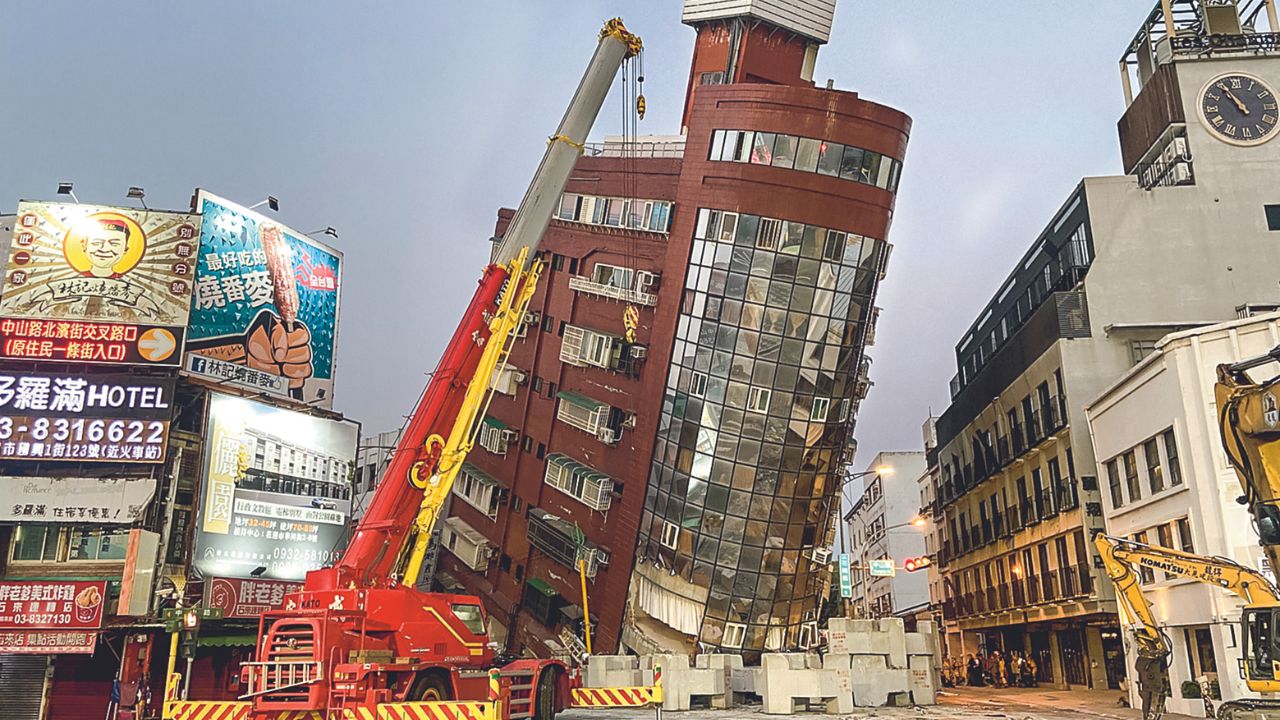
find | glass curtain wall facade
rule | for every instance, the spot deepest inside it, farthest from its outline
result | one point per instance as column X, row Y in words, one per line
column 756, row 419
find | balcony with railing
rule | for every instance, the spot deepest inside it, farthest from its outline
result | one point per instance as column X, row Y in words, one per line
column 636, row 295
column 1068, row 494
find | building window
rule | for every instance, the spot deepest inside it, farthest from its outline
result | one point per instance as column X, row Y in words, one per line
column 1148, row 575
column 494, row 436
column 734, row 635
column 770, row 234
column 670, row 535
column 1113, row 481
column 1171, row 457
column 698, row 385
column 478, row 490
column 1155, row 475
column 35, row 543
column 758, row 400
column 1130, row 461
column 1273, row 216
column 97, row 543
column 584, row 484
column 582, row 347
column 711, row 78
column 821, row 406
column 1185, row 541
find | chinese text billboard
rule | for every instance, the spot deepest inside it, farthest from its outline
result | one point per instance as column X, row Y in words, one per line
column 277, row 491
column 98, row 284
column 238, row 598
column 52, row 605
column 74, row 499
column 68, row 416
column 266, row 297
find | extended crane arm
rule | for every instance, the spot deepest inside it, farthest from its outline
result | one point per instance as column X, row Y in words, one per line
column 1123, row 557
column 438, row 434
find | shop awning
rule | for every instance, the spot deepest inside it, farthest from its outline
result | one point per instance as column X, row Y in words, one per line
column 581, row 401
column 541, row 586
column 227, row 640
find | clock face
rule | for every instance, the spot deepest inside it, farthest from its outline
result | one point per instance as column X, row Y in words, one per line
column 1239, row 109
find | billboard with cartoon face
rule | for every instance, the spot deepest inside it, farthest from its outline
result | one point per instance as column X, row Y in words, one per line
column 93, row 283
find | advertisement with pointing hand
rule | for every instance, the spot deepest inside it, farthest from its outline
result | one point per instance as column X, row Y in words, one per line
column 266, row 297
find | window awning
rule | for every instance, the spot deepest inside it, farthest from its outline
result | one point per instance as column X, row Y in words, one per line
column 227, row 640
column 479, row 474
column 461, row 527
column 494, row 423
column 541, row 586
column 576, row 467
column 581, row 401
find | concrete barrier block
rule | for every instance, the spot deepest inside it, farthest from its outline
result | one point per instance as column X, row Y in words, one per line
column 875, row 688
column 896, row 638
column 613, row 671
column 924, row 679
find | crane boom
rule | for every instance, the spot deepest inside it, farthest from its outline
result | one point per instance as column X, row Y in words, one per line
column 379, row 539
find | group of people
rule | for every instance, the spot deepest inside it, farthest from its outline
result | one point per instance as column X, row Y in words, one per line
column 993, row 669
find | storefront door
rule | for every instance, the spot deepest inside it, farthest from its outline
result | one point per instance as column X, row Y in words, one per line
column 1073, row 659
column 1113, row 656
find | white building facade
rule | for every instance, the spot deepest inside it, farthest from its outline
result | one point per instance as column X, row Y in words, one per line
column 880, row 526
column 1166, row 481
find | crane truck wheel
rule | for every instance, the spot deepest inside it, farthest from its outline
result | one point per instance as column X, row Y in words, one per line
column 430, row 686
column 546, row 697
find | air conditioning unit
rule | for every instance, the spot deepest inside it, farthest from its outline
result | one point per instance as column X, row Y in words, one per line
column 1176, row 150
column 520, row 377
column 1181, row 173
column 603, row 556
column 531, row 317
column 630, row 422
column 648, row 280
column 606, row 435
column 821, row 556
column 639, row 352
column 510, row 435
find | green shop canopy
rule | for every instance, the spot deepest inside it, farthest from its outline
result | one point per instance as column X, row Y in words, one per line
column 494, row 423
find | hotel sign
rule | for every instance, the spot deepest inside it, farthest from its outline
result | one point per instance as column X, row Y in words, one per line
column 105, row 418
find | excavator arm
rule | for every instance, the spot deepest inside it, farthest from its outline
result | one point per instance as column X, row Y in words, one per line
column 1123, row 560
column 1249, row 423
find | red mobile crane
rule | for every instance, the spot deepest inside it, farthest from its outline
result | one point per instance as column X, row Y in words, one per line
column 360, row 634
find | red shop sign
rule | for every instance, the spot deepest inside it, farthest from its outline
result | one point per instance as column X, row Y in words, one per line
column 238, row 598
column 52, row 605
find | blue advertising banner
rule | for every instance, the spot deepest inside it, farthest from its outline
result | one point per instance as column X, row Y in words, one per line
column 266, row 297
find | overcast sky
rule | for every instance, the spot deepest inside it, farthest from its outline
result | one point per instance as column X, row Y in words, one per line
column 405, row 125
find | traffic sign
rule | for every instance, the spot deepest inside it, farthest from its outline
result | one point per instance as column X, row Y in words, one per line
column 883, row 568
column 846, row 577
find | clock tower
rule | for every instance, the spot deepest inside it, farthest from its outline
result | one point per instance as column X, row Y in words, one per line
column 1200, row 81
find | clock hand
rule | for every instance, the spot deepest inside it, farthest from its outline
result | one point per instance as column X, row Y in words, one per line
column 1236, row 100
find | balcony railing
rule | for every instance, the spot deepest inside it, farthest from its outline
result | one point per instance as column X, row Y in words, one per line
column 1049, row 507
column 1019, row 440
column 1068, row 494
column 585, row 284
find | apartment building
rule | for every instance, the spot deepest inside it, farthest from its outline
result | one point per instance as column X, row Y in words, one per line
column 885, row 524
column 691, row 471
column 1185, row 237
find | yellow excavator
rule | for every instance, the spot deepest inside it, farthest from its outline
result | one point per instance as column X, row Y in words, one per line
column 1249, row 424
